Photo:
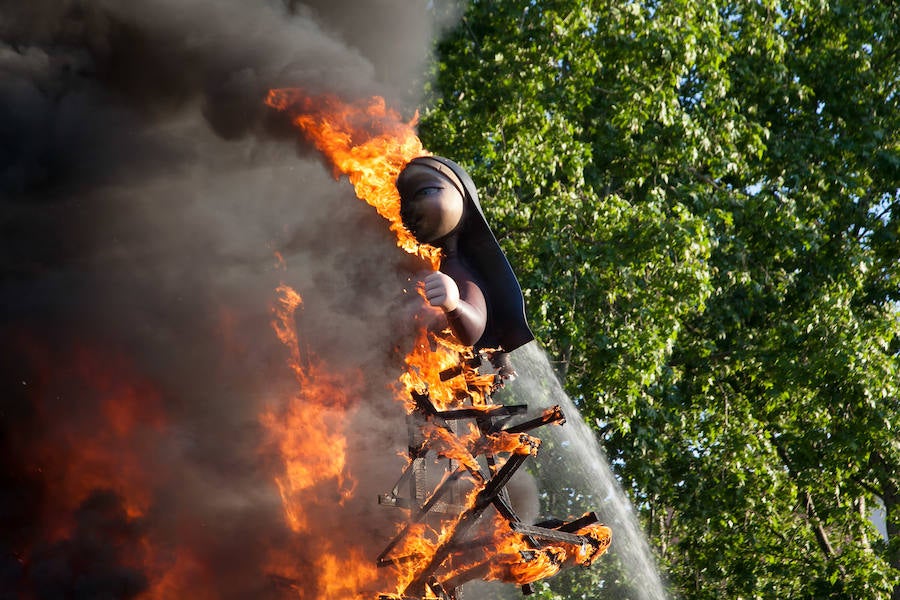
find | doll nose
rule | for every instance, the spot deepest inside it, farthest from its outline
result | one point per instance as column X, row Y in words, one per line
column 409, row 218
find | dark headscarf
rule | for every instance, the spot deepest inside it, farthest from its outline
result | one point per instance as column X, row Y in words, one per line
column 507, row 327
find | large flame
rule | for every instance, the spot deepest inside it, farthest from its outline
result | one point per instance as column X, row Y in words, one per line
column 365, row 141
column 308, row 433
column 308, row 429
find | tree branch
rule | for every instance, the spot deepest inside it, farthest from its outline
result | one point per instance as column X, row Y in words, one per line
column 816, row 523
column 811, row 515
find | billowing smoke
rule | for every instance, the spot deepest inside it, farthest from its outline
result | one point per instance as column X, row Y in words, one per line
column 150, row 207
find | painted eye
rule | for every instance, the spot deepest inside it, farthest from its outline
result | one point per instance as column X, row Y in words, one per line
column 428, row 191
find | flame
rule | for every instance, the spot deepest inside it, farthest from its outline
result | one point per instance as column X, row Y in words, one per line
column 587, row 555
column 540, row 564
column 448, row 445
column 370, row 145
column 365, row 141
column 428, row 364
column 422, row 542
column 307, row 433
column 515, row 561
column 340, row 574
column 308, row 430
column 503, row 442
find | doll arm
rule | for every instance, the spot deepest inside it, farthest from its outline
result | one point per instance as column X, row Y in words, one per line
column 463, row 302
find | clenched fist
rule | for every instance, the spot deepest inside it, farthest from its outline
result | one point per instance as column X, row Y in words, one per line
column 441, row 291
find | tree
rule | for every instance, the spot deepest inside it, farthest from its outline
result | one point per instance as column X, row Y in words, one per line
column 701, row 200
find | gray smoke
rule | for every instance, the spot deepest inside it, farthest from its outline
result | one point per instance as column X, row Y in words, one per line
column 145, row 191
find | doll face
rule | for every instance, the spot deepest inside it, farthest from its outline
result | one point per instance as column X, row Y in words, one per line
column 430, row 205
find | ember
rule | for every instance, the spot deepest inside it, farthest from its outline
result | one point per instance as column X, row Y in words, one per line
column 461, row 526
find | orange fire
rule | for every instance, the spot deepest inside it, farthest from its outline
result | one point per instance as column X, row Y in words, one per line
column 514, row 561
column 585, row 556
column 431, row 356
column 308, row 435
column 339, row 573
column 308, row 430
column 365, row 141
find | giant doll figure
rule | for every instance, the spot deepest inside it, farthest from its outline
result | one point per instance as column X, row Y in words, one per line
column 475, row 287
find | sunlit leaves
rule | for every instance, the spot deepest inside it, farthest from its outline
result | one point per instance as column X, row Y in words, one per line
column 702, row 202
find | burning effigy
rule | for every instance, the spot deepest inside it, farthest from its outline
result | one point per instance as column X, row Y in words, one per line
column 460, row 523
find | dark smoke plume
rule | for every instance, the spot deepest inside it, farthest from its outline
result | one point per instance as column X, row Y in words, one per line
column 145, row 197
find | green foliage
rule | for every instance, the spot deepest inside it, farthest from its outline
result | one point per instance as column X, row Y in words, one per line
column 701, row 200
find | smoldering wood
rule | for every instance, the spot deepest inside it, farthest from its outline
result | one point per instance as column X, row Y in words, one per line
column 462, row 557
